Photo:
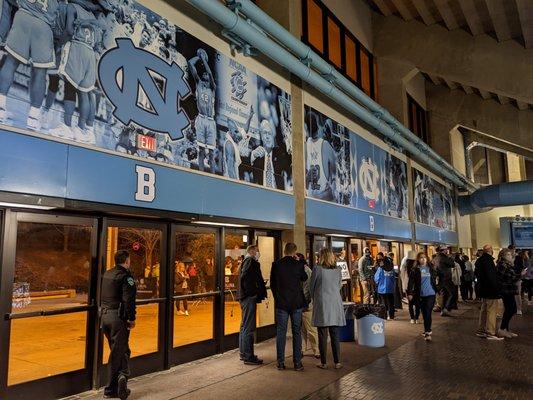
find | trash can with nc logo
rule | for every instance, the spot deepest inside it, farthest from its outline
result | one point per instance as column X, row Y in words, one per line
column 370, row 325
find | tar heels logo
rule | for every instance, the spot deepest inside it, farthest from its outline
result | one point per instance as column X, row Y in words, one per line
column 377, row 328
column 238, row 85
column 144, row 89
column 369, row 179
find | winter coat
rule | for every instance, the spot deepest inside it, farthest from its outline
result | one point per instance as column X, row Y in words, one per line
column 365, row 268
column 325, row 291
column 286, row 277
column 251, row 281
column 508, row 278
column 385, row 280
column 414, row 286
column 489, row 284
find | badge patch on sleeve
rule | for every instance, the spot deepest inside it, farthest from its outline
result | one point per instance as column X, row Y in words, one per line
column 131, row 281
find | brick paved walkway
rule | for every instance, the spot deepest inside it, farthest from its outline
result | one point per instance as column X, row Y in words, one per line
column 455, row 365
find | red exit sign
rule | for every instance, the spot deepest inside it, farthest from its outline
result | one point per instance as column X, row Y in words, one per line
column 146, row 142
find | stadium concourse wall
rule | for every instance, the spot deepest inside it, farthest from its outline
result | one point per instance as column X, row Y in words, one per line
column 57, row 167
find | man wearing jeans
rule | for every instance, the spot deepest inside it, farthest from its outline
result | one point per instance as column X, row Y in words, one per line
column 286, row 279
column 252, row 290
column 489, row 290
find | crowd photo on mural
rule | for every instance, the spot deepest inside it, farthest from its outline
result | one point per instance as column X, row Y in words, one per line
column 434, row 202
column 68, row 68
column 344, row 168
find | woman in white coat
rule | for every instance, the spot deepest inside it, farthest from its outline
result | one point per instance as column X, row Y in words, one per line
column 328, row 312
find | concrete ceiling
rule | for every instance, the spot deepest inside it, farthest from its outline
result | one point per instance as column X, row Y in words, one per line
column 503, row 100
column 501, row 19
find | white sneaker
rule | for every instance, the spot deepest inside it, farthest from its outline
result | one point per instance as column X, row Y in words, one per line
column 187, row 313
column 416, row 321
column 412, row 321
column 46, row 119
column 493, row 337
column 181, row 312
column 33, row 123
column 512, row 334
column 503, row 333
column 519, row 312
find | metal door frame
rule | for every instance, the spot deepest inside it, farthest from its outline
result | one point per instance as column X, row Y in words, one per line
column 61, row 384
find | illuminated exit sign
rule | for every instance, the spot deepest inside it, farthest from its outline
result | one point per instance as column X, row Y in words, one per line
column 146, row 142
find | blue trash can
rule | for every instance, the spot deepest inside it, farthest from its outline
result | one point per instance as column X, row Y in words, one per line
column 346, row 332
column 371, row 331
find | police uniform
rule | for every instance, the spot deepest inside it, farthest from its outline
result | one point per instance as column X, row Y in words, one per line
column 31, row 37
column 118, row 307
column 78, row 58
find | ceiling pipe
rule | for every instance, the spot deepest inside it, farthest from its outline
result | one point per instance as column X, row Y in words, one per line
column 308, row 56
column 502, row 195
column 234, row 25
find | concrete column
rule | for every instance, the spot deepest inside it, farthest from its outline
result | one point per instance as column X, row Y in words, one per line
column 298, row 135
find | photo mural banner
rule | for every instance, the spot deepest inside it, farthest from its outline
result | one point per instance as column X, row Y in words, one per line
column 116, row 76
column 344, row 168
column 434, row 202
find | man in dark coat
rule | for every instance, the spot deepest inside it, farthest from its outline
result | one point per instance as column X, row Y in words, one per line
column 252, row 290
column 444, row 265
column 286, row 279
column 489, row 287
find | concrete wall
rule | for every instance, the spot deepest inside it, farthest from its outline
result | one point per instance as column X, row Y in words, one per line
column 487, row 225
column 416, row 88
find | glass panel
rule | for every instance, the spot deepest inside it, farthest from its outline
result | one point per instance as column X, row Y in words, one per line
column 319, row 243
column 45, row 346
column 194, row 272
column 52, row 266
column 265, row 310
column 334, row 42
column 365, row 71
column 236, row 243
column 339, row 249
column 144, row 338
column 144, row 247
column 314, row 25
column 351, row 69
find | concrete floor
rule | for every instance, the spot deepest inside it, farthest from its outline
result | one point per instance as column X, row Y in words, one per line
column 224, row 377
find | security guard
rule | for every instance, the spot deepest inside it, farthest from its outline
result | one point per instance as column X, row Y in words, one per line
column 118, row 318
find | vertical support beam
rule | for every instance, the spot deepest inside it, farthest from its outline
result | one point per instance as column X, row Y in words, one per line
column 298, row 136
column 411, row 201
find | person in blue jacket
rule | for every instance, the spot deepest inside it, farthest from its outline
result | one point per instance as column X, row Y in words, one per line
column 386, row 283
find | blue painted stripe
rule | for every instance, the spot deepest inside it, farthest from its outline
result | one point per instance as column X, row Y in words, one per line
column 32, row 165
column 37, row 166
column 336, row 218
column 426, row 233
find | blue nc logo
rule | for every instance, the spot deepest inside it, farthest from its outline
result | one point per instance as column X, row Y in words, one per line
column 238, row 85
column 144, row 89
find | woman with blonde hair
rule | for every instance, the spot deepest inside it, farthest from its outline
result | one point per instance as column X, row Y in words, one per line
column 328, row 312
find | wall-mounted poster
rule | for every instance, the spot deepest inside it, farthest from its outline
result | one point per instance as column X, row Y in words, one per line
column 344, row 168
column 117, row 76
column 434, row 202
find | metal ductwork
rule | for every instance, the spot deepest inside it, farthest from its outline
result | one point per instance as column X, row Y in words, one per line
column 299, row 59
column 502, row 195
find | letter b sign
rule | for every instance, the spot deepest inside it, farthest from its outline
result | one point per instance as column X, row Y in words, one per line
column 145, row 184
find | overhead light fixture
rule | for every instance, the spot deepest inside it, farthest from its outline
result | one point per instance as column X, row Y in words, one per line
column 339, row 235
column 219, row 224
column 32, row 206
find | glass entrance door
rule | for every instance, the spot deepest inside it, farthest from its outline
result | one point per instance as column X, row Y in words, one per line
column 196, row 296
column 49, row 326
column 146, row 244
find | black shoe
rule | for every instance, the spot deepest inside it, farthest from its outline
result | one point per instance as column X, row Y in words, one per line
column 123, row 391
column 109, row 395
column 253, row 361
column 298, row 367
column 281, row 366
